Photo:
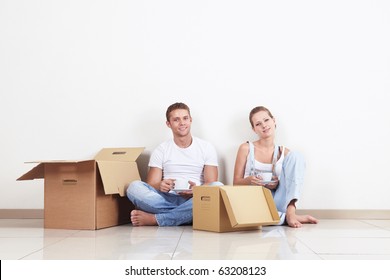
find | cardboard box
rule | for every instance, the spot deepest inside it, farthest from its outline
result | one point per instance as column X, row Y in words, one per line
column 87, row 194
column 233, row 208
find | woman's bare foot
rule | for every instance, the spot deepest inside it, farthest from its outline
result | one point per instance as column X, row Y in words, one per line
column 141, row 218
column 296, row 221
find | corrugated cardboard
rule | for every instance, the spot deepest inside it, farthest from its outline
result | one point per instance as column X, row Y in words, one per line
column 87, row 194
column 233, row 208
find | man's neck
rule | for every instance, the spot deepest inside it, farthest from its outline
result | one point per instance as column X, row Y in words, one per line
column 184, row 141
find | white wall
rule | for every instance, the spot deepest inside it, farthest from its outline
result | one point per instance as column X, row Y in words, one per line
column 76, row 76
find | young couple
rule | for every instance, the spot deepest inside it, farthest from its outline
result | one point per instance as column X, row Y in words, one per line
column 185, row 157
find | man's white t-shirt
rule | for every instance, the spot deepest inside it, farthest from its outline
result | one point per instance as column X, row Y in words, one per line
column 184, row 163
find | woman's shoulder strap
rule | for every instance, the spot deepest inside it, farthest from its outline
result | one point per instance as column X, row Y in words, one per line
column 251, row 157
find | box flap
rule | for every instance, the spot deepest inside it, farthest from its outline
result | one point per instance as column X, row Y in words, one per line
column 248, row 206
column 119, row 154
column 57, row 161
column 117, row 175
column 271, row 207
column 37, row 172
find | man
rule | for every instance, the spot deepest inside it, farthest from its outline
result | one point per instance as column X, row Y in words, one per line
column 183, row 157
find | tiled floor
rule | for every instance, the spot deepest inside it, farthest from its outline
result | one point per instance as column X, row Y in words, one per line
column 330, row 239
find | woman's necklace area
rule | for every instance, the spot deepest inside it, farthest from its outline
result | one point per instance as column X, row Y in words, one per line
column 265, row 154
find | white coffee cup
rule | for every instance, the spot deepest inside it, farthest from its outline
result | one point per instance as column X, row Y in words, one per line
column 182, row 184
column 266, row 176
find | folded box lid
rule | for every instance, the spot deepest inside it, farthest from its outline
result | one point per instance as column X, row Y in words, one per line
column 249, row 206
column 119, row 154
column 38, row 172
column 118, row 168
column 116, row 175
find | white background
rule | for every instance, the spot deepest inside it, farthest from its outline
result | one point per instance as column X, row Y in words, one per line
column 77, row 76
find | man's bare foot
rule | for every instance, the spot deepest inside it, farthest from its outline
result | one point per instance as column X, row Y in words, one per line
column 141, row 218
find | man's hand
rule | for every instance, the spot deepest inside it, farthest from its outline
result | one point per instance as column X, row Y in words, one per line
column 166, row 185
column 188, row 194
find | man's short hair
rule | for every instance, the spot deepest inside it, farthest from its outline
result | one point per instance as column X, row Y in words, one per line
column 175, row 106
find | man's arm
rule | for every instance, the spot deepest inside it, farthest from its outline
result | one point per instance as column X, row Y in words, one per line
column 210, row 174
column 155, row 180
column 154, row 177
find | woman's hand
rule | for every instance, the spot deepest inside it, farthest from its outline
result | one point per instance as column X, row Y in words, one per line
column 258, row 181
column 254, row 180
column 273, row 185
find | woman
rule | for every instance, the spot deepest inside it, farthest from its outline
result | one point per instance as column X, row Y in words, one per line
column 256, row 159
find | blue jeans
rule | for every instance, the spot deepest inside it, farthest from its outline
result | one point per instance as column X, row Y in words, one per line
column 290, row 182
column 170, row 209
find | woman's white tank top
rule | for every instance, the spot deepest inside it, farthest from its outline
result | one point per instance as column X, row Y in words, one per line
column 253, row 166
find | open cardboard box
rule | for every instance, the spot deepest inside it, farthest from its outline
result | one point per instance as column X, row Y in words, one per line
column 87, row 194
column 233, row 208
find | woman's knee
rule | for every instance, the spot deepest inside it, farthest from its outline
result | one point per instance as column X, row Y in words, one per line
column 295, row 157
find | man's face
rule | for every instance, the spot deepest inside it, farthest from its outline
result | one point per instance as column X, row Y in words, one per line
column 180, row 122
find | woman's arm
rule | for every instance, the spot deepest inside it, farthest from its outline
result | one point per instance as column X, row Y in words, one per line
column 239, row 166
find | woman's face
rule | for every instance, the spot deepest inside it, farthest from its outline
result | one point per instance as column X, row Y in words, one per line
column 263, row 124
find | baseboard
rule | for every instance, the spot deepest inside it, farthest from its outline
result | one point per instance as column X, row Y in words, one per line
column 21, row 213
column 319, row 214
column 347, row 214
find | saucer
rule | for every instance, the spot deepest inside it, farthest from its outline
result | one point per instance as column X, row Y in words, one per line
column 181, row 190
column 268, row 182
